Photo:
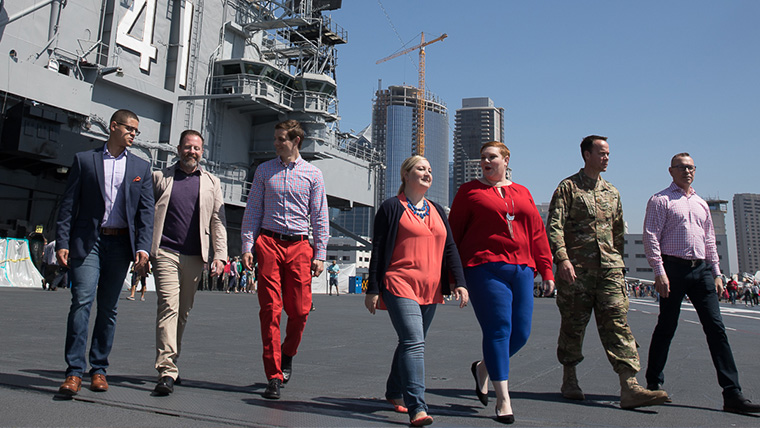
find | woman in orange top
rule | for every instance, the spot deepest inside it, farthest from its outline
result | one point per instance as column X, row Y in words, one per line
column 413, row 252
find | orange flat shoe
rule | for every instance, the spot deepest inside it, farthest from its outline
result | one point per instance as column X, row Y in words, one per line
column 398, row 408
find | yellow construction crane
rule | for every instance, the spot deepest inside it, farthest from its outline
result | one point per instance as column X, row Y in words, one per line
column 420, row 87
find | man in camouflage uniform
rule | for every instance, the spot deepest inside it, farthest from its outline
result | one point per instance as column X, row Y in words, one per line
column 586, row 228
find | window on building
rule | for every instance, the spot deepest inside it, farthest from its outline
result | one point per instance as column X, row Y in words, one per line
column 641, row 256
column 638, row 242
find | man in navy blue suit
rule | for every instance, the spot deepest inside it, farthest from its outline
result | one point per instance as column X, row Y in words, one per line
column 105, row 221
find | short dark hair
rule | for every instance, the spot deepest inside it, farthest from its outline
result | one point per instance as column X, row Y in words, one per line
column 588, row 142
column 187, row 132
column 294, row 130
column 679, row 155
column 123, row 116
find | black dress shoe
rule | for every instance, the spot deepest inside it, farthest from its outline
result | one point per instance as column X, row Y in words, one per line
column 165, row 386
column 287, row 368
column 482, row 397
column 740, row 404
column 273, row 389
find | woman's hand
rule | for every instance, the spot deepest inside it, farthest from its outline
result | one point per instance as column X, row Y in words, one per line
column 460, row 293
column 370, row 301
column 548, row 287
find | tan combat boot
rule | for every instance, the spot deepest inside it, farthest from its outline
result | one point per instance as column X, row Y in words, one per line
column 633, row 395
column 570, row 388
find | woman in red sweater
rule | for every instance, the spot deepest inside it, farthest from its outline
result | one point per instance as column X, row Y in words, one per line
column 502, row 243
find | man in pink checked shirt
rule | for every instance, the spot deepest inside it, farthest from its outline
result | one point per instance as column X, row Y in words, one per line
column 287, row 195
column 679, row 242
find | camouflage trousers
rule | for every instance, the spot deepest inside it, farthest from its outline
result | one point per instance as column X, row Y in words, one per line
column 603, row 292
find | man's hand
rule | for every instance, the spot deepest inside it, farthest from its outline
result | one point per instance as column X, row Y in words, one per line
column 141, row 263
column 662, row 285
column 63, row 257
column 370, row 301
column 719, row 286
column 548, row 287
column 248, row 260
column 217, row 267
column 317, row 266
column 566, row 271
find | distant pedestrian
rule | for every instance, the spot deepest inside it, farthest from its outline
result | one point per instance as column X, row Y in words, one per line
column 333, row 270
column 54, row 275
column 141, row 278
column 679, row 242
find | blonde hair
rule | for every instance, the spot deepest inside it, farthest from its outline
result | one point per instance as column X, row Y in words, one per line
column 407, row 166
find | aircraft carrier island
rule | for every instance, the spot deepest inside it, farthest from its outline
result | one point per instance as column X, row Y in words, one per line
column 229, row 69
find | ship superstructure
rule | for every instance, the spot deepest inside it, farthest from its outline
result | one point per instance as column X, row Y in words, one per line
column 229, row 69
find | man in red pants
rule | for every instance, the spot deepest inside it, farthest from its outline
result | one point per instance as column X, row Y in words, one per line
column 287, row 195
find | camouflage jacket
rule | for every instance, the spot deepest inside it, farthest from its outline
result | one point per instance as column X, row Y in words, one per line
column 585, row 223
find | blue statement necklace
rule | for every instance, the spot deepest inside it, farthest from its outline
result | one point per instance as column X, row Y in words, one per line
column 420, row 212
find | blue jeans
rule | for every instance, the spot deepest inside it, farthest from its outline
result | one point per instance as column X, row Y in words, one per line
column 502, row 297
column 407, row 377
column 101, row 274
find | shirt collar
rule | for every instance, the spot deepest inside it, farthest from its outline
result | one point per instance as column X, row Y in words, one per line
column 296, row 162
column 108, row 154
column 178, row 169
column 588, row 181
column 674, row 188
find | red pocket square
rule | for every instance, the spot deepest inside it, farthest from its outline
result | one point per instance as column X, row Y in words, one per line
column 137, row 178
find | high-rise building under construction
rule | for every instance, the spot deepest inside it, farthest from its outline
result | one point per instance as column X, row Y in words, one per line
column 476, row 123
column 394, row 126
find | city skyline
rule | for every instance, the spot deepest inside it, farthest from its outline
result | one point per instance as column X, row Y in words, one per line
column 656, row 78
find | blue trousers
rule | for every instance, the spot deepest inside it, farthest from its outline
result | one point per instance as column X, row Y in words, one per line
column 407, row 378
column 99, row 275
column 502, row 297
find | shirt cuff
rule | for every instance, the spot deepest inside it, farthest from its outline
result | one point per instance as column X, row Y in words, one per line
column 659, row 270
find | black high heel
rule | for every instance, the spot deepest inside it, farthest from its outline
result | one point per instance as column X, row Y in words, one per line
column 505, row 419
column 482, row 397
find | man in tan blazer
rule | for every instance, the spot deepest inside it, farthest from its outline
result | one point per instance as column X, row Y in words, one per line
column 189, row 209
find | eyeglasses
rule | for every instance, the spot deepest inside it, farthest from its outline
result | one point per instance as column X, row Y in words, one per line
column 130, row 128
column 689, row 168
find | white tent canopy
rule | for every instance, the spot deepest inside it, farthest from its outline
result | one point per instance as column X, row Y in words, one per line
column 16, row 267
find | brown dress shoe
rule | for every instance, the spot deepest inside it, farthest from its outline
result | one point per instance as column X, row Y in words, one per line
column 99, row 383
column 71, row 386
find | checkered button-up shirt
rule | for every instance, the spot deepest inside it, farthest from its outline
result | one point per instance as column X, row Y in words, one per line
column 285, row 199
column 679, row 224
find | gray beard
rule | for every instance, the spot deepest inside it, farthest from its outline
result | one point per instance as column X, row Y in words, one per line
column 189, row 163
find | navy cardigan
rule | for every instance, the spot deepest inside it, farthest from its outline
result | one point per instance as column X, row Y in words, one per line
column 384, row 242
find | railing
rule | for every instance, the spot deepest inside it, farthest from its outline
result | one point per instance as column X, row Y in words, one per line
column 257, row 86
column 317, row 102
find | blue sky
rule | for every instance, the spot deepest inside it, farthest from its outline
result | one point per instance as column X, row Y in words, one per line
column 656, row 77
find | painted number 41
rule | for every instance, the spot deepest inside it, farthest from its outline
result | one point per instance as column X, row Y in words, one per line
column 144, row 44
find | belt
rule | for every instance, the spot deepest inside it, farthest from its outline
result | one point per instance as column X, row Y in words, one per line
column 284, row 237
column 680, row 261
column 113, row 231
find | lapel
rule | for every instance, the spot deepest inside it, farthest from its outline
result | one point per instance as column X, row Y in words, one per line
column 97, row 160
column 203, row 188
column 128, row 175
